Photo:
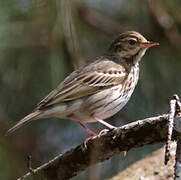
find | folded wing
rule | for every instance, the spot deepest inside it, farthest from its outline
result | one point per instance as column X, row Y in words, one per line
column 88, row 80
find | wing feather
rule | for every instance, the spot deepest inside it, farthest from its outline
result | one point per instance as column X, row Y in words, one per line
column 86, row 81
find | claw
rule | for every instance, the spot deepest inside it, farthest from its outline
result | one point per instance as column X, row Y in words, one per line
column 86, row 141
column 103, row 131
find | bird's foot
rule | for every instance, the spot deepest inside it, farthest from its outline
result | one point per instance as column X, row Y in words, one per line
column 103, row 132
column 87, row 140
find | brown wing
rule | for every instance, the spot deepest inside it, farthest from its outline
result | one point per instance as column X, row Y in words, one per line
column 90, row 79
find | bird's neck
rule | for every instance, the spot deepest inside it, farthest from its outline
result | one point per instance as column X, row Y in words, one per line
column 121, row 58
column 128, row 62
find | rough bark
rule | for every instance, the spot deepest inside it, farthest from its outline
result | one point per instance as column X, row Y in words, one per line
column 100, row 148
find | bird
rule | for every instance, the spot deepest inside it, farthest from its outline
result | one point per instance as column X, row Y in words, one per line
column 98, row 90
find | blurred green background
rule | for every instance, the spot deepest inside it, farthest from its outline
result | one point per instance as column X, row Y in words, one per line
column 42, row 41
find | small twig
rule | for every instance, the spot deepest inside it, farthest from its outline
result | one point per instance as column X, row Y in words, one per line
column 29, row 165
column 170, row 129
column 40, row 168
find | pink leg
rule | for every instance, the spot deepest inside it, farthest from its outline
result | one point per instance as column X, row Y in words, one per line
column 91, row 133
column 125, row 153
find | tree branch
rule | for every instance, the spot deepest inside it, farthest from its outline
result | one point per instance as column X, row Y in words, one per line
column 100, row 148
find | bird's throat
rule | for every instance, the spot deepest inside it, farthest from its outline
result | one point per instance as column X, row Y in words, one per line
column 134, row 59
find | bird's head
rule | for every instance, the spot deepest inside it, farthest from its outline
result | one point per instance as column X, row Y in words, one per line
column 130, row 45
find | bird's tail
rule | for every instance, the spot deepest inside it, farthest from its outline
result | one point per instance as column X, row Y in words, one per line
column 23, row 121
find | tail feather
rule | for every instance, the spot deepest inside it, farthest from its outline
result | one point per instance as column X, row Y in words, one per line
column 22, row 122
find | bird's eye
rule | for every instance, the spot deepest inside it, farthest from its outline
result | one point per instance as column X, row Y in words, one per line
column 132, row 41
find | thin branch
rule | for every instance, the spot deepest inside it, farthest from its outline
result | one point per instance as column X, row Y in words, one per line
column 170, row 129
column 100, row 148
column 177, row 167
column 29, row 165
column 40, row 168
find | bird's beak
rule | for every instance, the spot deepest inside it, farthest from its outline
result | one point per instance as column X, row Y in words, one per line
column 148, row 44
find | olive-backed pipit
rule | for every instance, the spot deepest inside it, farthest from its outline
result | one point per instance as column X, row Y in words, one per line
column 98, row 90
